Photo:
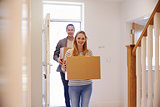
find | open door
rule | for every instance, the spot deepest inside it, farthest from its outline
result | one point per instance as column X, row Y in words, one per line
column 46, row 62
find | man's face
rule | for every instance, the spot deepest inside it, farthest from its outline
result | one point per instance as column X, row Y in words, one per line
column 70, row 31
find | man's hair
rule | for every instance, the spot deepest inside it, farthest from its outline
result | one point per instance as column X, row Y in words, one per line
column 70, row 25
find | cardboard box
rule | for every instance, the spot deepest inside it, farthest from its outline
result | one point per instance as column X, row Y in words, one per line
column 83, row 67
column 63, row 52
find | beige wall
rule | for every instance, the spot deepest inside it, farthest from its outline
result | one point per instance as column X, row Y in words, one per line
column 36, row 53
column 13, row 54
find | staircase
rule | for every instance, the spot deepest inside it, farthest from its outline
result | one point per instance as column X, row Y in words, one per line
column 139, row 95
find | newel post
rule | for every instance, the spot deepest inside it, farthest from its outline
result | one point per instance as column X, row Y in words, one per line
column 131, row 64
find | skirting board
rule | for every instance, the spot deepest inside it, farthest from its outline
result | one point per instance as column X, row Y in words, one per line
column 105, row 104
column 101, row 104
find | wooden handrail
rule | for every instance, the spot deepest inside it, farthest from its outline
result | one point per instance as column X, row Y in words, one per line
column 149, row 22
column 133, row 31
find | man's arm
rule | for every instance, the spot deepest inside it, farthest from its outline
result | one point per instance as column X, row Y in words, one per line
column 57, row 52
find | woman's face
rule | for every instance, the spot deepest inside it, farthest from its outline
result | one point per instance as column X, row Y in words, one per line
column 80, row 39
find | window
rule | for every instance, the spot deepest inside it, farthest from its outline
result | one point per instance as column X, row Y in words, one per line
column 63, row 10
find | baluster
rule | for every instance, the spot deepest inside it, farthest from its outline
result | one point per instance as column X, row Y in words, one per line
column 143, row 59
column 150, row 55
column 156, row 76
column 138, row 75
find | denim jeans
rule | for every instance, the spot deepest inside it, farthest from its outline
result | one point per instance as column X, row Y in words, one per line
column 65, row 85
column 80, row 95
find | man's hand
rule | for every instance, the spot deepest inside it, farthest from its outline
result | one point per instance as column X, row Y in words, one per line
column 64, row 66
column 60, row 61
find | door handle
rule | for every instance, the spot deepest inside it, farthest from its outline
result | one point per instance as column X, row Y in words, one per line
column 44, row 76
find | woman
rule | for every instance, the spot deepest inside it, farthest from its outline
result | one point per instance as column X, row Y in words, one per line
column 79, row 90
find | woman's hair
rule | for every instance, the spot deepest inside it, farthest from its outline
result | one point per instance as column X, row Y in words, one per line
column 75, row 51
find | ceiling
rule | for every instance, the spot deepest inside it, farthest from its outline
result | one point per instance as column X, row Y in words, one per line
column 140, row 21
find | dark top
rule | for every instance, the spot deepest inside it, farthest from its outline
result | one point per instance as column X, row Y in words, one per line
column 62, row 43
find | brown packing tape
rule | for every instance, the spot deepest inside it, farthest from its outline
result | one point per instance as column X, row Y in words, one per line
column 65, row 50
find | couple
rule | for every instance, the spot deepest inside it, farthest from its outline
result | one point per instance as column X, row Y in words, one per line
column 78, row 91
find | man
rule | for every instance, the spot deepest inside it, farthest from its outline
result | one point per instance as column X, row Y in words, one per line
column 66, row 42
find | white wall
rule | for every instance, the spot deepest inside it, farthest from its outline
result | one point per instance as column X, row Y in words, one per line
column 36, row 53
column 131, row 10
column 102, row 24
